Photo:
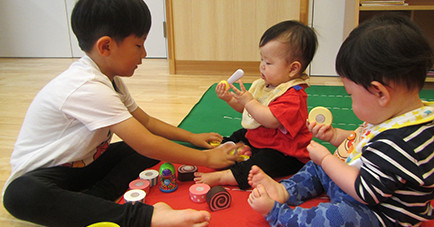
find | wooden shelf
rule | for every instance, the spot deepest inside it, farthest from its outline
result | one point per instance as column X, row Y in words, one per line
column 397, row 8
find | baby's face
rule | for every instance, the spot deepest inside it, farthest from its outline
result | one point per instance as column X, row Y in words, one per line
column 274, row 66
column 364, row 103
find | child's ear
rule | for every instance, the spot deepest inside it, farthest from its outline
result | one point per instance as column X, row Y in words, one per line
column 381, row 92
column 294, row 68
column 104, row 45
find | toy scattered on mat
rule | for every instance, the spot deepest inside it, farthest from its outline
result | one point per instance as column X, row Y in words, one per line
column 321, row 115
column 151, row 175
column 236, row 76
column 140, row 184
column 167, row 177
column 218, row 198
column 135, row 195
column 198, row 192
column 186, row 172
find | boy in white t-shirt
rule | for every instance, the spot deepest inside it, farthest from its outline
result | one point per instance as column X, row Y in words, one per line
column 65, row 172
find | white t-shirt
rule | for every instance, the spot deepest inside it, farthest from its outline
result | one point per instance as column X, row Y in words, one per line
column 67, row 121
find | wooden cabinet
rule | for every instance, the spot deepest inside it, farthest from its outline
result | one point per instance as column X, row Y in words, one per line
column 220, row 36
column 420, row 11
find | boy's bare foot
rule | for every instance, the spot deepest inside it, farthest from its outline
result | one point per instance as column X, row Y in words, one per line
column 260, row 201
column 274, row 189
column 224, row 177
column 164, row 215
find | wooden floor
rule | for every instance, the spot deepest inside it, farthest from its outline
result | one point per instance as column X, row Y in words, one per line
column 167, row 97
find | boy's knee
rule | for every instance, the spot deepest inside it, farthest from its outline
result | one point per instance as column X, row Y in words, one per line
column 21, row 195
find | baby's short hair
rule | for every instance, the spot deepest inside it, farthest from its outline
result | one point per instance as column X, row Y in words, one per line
column 389, row 49
column 92, row 19
column 301, row 40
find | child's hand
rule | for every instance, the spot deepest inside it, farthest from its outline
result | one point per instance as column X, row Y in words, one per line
column 204, row 139
column 242, row 96
column 321, row 131
column 220, row 157
column 222, row 92
column 260, row 201
column 317, row 152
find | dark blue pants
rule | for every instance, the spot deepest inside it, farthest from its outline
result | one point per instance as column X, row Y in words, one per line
column 63, row 196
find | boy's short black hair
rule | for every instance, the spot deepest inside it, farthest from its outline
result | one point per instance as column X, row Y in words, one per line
column 92, row 19
column 301, row 40
column 388, row 48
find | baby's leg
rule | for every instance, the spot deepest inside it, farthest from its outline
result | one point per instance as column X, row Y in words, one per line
column 305, row 184
column 343, row 213
column 224, row 177
column 164, row 215
column 275, row 190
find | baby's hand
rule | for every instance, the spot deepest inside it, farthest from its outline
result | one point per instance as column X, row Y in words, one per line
column 317, row 152
column 321, row 131
column 241, row 95
column 222, row 92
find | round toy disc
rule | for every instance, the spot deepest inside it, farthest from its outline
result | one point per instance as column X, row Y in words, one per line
column 321, row 115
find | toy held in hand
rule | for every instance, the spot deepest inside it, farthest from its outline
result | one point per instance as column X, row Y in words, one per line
column 236, row 76
column 321, row 115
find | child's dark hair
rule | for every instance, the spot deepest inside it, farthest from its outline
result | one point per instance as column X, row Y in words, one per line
column 388, row 48
column 92, row 19
column 301, row 39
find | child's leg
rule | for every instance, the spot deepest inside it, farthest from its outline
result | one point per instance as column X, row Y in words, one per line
column 343, row 213
column 111, row 173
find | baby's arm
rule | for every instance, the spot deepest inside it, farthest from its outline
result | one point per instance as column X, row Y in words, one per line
column 340, row 172
column 224, row 94
column 335, row 136
column 262, row 114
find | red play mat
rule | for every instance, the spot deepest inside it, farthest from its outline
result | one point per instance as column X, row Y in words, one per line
column 238, row 214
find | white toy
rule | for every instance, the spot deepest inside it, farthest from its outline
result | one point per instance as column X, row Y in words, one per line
column 236, row 76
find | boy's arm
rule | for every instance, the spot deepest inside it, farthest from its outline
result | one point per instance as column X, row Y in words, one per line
column 157, row 147
column 171, row 132
column 339, row 172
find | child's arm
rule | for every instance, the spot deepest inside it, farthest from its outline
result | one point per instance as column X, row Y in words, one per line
column 340, row 172
column 151, row 145
column 335, row 136
column 262, row 114
column 171, row 132
column 224, row 94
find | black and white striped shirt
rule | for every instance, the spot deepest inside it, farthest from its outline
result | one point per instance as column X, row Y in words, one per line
column 397, row 175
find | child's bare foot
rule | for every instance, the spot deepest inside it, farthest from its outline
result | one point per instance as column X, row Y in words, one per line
column 260, row 201
column 164, row 215
column 224, row 177
column 274, row 189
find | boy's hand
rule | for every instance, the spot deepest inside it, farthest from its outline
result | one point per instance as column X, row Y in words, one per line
column 317, row 152
column 204, row 139
column 220, row 157
column 321, row 131
column 242, row 96
column 222, row 92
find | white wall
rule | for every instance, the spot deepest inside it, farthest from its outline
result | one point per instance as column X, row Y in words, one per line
column 41, row 28
column 328, row 20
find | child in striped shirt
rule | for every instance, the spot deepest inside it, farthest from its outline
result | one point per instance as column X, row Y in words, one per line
column 388, row 179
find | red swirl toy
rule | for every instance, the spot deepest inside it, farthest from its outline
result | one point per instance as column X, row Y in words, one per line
column 218, row 198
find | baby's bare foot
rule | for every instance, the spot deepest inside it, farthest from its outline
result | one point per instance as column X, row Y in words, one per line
column 224, row 177
column 274, row 189
column 164, row 215
column 260, row 201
